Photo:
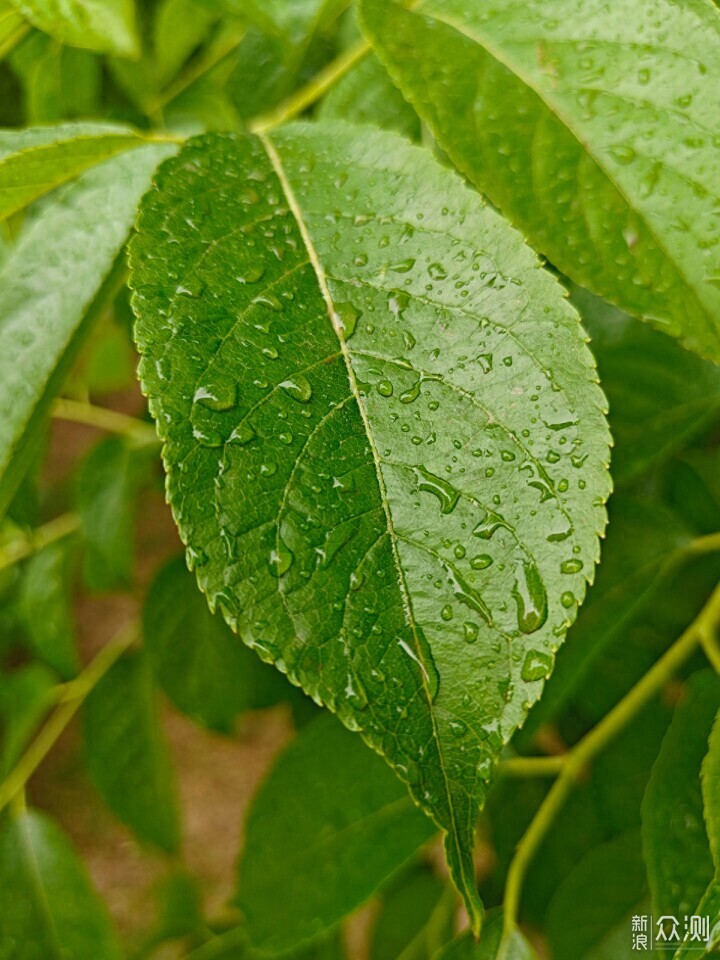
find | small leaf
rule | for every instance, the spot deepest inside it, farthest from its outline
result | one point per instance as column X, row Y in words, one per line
column 127, row 755
column 12, row 28
column 48, row 907
column 598, row 894
column 383, row 436
column 26, row 695
column 492, row 945
column 106, row 504
column 197, row 659
column 36, row 160
column 46, row 611
column 350, row 826
column 59, row 83
column 594, row 129
column 401, row 930
column 48, row 297
column 661, row 397
column 675, row 840
column 107, row 26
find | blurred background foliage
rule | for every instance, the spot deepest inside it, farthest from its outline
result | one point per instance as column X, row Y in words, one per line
column 175, row 778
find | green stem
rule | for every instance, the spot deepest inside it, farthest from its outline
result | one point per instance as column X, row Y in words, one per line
column 533, row 766
column 143, row 434
column 706, row 544
column 26, row 545
column 74, row 693
column 313, row 91
column 591, row 744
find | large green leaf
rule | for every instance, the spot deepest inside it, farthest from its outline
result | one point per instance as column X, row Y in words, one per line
column 48, row 909
column 48, row 286
column 675, row 840
column 197, row 659
column 592, row 125
column 385, row 444
column 35, row 160
column 350, row 826
column 107, row 26
column 415, row 918
column 127, row 754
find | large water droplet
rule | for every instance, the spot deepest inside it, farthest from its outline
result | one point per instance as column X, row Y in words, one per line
column 444, row 491
column 530, row 597
column 242, row 434
column 536, row 666
column 411, row 394
column 219, row 396
column 281, row 559
column 418, row 649
column 489, row 525
column 571, row 566
column 385, row 388
column 466, row 594
column 298, row 387
column 346, row 317
column 403, row 266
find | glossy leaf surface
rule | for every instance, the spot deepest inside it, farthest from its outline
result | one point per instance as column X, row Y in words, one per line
column 385, row 444
column 48, row 908
column 591, row 126
column 350, row 827
column 48, row 284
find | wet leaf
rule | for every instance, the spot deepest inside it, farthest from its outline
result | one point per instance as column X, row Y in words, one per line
column 49, row 285
column 383, row 436
column 38, row 159
column 591, row 126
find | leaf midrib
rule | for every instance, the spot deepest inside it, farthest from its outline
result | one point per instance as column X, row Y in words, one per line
column 278, row 168
column 490, row 48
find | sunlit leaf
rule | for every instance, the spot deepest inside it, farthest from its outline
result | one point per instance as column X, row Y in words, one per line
column 107, row 26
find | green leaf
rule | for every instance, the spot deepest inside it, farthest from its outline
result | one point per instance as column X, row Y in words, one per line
column 675, row 841
column 59, row 83
column 350, row 826
column 107, row 26
column 644, row 544
column 492, row 944
column 26, row 695
column 197, row 659
column 48, row 907
column 709, row 907
column 106, row 504
column 46, row 611
column 367, row 95
column 384, row 440
column 36, row 160
column 127, row 755
column 12, row 28
column 661, row 397
column 51, row 287
column 593, row 127
column 597, row 895
column 405, row 927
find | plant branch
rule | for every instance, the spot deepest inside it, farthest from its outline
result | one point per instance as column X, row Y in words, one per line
column 73, row 695
column 26, row 545
column 593, row 742
column 143, row 434
column 306, row 96
column 533, row 766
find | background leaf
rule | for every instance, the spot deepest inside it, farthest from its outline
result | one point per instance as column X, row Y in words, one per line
column 349, row 828
column 591, row 127
column 48, row 908
column 127, row 755
column 383, row 560
column 46, row 611
column 104, row 25
column 48, row 285
column 196, row 657
column 675, row 841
